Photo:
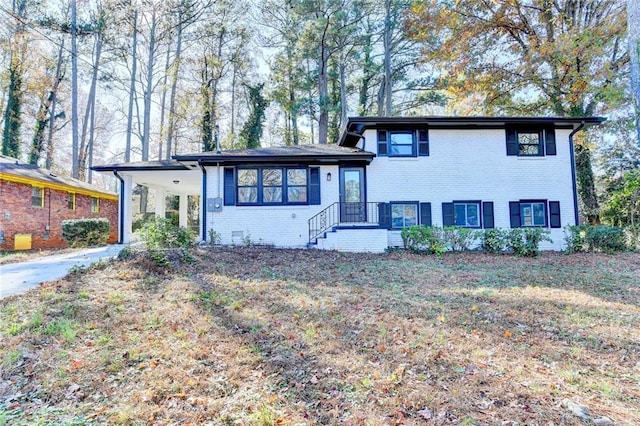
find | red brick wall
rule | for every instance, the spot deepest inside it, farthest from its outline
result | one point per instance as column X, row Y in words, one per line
column 17, row 216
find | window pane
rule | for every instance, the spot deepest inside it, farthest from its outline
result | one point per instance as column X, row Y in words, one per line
column 538, row 214
column 529, row 143
column 247, row 177
column 272, row 177
column 272, row 194
column 296, row 177
column 36, row 197
column 248, row 195
column 397, row 215
column 297, row 194
column 472, row 215
column 525, row 214
column 460, row 215
column 401, row 143
column 410, row 215
column 401, row 139
column 529, row 138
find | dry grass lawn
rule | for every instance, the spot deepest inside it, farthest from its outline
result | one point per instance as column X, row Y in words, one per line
column 256, row 336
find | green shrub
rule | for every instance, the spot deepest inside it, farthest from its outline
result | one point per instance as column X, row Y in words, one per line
column 595, row 238
column 632, row 232
column 458, row 238
column 493, row 240
column 526, row 241
column 85, row 232
column 161, row 233
column 423, row 239
column 139, row 219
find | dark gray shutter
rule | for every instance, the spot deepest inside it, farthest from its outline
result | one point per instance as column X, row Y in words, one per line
column 384, row 215
column 447, row 214
column 423, row 142
column 512, row 142
column 550, row 142
column 382, row 142
column 314, row 186
column 514, row 214
column 487, row 214
column 425, row 214
column 554, row 214
column 229, row 187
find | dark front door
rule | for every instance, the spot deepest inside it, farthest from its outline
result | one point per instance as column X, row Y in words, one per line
column 352, row 195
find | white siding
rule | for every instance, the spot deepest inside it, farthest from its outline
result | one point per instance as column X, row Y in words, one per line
column 473, row 165
column 462, row 165
column 355, row 240
column 281, row 226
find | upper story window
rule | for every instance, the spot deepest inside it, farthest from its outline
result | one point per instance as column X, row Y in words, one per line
column 403, row 143
column 528, row 142
column 37, row 196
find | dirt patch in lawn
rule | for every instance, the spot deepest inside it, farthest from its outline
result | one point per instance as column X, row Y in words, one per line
column 263, row 336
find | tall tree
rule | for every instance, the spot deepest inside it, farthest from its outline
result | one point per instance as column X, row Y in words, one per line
column 252, row 131
column 46, row 111
column 633, row 21
column 11, row 135
column 559, row 57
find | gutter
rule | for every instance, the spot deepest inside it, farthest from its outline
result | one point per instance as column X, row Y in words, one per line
column 203, row 201
column 121, row 203
column 574, row 183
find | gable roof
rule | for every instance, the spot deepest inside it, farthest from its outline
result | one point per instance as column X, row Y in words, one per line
column 13, row 170
column 356, row 126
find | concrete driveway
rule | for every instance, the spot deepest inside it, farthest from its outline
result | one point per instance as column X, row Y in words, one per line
column 16, row 278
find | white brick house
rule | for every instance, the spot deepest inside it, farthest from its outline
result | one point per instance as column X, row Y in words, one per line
column 385, row 173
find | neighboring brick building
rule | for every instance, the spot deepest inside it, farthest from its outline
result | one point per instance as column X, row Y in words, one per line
column 35, row 201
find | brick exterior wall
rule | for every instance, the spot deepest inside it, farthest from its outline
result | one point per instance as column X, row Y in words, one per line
column 18, row 216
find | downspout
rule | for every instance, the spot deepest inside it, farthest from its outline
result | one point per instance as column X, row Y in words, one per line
column 203, row 201
column 574, row 183
column 121, row 202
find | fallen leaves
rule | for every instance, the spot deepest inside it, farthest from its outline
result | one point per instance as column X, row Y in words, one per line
column 390, row 339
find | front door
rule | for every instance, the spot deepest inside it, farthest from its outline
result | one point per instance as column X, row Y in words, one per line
column 352, row 195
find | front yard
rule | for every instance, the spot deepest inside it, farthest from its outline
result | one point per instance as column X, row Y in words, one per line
column 266, row 337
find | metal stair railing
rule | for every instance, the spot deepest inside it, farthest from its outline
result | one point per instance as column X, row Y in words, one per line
column 358, row 213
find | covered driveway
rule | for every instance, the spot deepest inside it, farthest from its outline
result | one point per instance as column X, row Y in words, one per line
column 163, row 178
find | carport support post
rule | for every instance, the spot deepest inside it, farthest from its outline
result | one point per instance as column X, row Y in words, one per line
column 124, row 213
column 184, row 203
column 161, row 203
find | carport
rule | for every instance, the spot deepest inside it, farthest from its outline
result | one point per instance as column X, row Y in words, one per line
column 164, row 178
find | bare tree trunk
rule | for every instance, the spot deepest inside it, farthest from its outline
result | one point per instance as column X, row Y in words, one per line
column 132, row 86
column 343, row 91
column 74, row 94
column 163, row 103
column 633, row 19
column 148, row 93
column 233, row 103
column 388, row 86
column 54, row 103
column 88, row 125
column 174, row 84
